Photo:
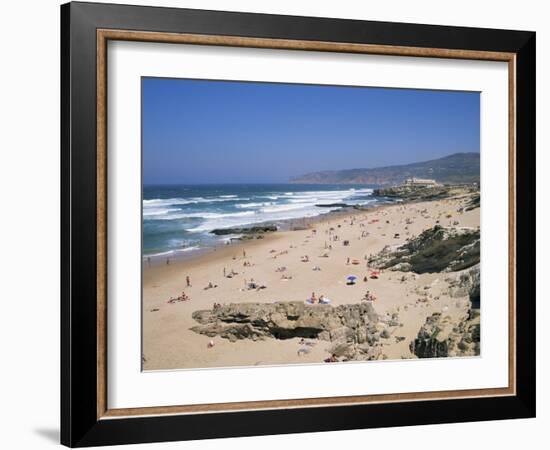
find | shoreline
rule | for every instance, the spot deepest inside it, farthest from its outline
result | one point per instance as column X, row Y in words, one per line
column 191, row 253
column 169, row 343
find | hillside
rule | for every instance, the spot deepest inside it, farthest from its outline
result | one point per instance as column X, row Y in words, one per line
column 456, row 168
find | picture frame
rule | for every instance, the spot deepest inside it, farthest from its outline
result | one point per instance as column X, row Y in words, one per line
column 86, row 418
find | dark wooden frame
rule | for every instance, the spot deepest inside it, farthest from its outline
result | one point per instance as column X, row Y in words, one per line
column 85, row 419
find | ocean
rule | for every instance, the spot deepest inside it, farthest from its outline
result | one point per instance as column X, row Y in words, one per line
column 178, row 218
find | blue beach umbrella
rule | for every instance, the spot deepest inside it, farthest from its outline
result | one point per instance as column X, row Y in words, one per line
column 352, row 278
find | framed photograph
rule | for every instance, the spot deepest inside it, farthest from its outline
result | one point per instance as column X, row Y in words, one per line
column 276, row 224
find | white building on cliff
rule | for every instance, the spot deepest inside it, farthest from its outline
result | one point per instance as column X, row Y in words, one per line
column 420, row 182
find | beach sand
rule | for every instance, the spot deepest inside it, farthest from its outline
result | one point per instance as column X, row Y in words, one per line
column 168, row 342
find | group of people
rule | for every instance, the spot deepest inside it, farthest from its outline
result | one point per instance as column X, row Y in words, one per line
column 370, row 297
column 322, row 300
column 182, row 298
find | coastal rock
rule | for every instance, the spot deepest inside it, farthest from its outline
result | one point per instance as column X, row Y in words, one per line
column 434, row 250
column 473, row 202
column 466, row 283
column 249, row 230
column 350, row 328
column 440, row 337
column 332, row 205
column 416, row 193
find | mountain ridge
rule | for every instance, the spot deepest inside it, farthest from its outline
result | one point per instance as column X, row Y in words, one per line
column 452, row 169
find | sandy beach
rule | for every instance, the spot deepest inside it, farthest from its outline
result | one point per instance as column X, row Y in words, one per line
column 313, row 262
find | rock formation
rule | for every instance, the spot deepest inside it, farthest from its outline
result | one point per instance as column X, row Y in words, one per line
column 440, row 337
column 466, row 283
column 355, row 331
column 250, row 230
column 434, row 250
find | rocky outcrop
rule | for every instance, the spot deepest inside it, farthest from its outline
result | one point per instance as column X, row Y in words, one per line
column 439, row 337
column 412, row 193
column 473, row 202
column 250, row 230
column 355, row 331
column 333, row 205
column 466, row 283
column 434, row 250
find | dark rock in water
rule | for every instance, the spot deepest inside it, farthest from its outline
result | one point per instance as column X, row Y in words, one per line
column 435, row 250
column 250, row 230
column 333, row 205
column 352, row 329
column 440, row 337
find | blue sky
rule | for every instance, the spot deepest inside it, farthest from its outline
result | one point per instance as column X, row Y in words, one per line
column 199, row 131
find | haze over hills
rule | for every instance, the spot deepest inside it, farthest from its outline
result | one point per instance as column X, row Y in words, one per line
column 455, row 168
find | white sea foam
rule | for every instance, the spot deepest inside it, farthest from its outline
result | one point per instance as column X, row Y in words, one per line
column 171, row 252
column 203, row 215
column 242, row 211
column 156, row 202
column 158, row 211
column 253, row 205
column 275, row 214
column 279, row 208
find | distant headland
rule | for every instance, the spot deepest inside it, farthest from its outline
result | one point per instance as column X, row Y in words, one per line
column 453, row 169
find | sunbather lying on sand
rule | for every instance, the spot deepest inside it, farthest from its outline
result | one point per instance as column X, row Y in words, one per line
column 369, row 297
column 210, row 286
column 182, row 298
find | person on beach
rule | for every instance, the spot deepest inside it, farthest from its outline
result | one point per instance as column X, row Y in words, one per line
column 244, row 253
column 347, row 262
column 224, row 272
column 188, row 281
column 313, row 298
column 167, row 261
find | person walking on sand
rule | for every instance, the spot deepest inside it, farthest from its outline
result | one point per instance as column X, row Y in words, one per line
column 167, row 261
column 244, row 253
column 188, row 281
column 224, row 272
column 347, row 262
